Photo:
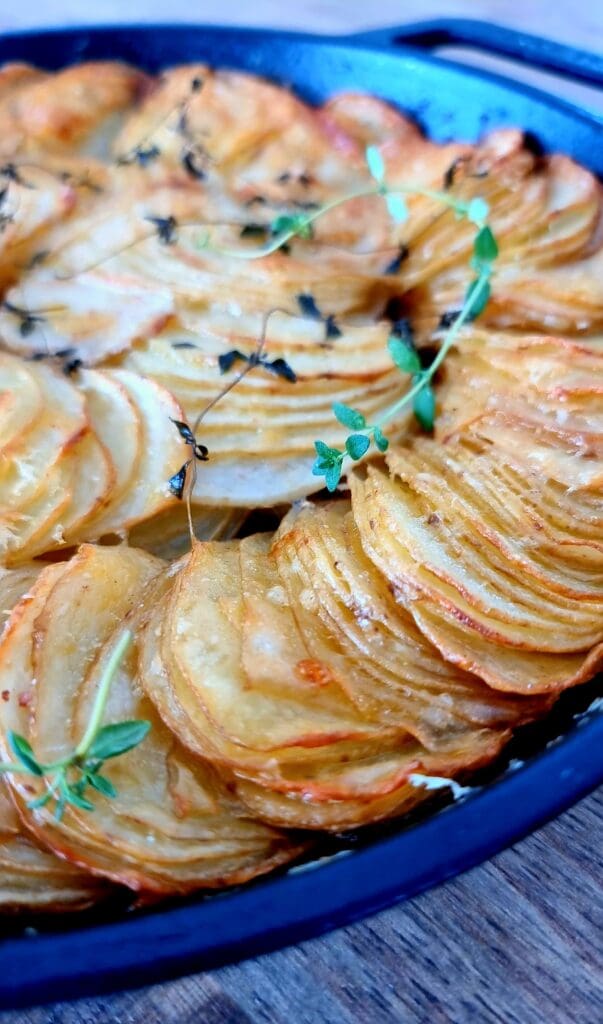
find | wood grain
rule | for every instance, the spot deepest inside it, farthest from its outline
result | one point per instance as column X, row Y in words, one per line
column 515, row 941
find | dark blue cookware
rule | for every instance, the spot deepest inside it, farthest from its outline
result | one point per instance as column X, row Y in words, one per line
column 450, row 101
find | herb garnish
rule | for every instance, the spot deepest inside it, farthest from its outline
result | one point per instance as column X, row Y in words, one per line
column 140, row 155
column 27, row 320
column 402, row 255
column 309, row 308
column 277, row 366
column 166, row 228
column 329, row 461
column 68, row 779
column 192, row 160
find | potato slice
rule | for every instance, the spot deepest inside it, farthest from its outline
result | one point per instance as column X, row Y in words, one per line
column 251, row 725
column 167, row 534
column 173, row 826
column 78, row 107
column 34, row 880
column 162, row 453
column 261, row 435
column 115, row 420
column 232, row 672
column 96, row 314
column 360, row 793
column 54, row 434
column 514, row 640
column 14, row 583
column 396, row 676
column 20, row 402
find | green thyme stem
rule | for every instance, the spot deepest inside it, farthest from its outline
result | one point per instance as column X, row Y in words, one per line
column 100, row 702
column 428, row 374
column 308, row 219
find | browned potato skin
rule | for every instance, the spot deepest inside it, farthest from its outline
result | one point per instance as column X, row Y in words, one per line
column 59, row 112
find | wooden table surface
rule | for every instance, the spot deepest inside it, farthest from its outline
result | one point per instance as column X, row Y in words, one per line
column 515, row 941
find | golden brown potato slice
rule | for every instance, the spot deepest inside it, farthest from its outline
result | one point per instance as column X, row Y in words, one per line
column 162, row 454
column 235, row 670
column 554, row 381
column 395, row 677
column 55, row 431
column 20, row 402
column 96, row 314
column 29, row 206
column 513, row 635
column 218, row 116
column 362, row 790
column 206, row 638
column 261, row 435
column 33, row 879
column 14, row 583
column 115, row 420
column 78, row 107
column 172, row 826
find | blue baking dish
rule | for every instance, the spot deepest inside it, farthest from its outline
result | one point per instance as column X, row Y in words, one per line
column 76, row 957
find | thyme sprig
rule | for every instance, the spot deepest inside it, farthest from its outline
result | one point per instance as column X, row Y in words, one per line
column 182, row 484
column 301, row 224
column 67, row 780
column 330, row 461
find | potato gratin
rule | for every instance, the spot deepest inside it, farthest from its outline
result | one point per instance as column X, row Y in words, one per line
column 194, row 270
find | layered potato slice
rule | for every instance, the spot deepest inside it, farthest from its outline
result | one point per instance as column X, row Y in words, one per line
column 33, row 879
column 559, row 379
column 93, row 316
column 14, row 583
column 521, row 609
column 78, row 109
column 90, row 460
column 173, row 825
column 256, row 663
column 548, row 228
column 400, row 677
column 32, row 199
column 536, row 399
column 261, row 435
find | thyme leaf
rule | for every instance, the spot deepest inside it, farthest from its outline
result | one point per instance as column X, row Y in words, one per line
column 67, row 779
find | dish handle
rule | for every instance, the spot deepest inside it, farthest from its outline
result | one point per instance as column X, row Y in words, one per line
column 567, row 61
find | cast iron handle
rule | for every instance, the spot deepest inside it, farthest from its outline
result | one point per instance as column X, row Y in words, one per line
column 567, row 61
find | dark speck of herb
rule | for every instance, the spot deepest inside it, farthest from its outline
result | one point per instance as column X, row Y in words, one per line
column 448, row 318
column 398, row 260
column 331, row 329
column 166, row 228
column 141, row 156
column 281, row 368
column 28, row 320
column 72, row 366
column 38, row 258
column 177, row 481
column 277, row 366
column 254, row 231
column 184, row 430
column 307, row 304
column 402, row 328
column 191, row 161
column 10, row 172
